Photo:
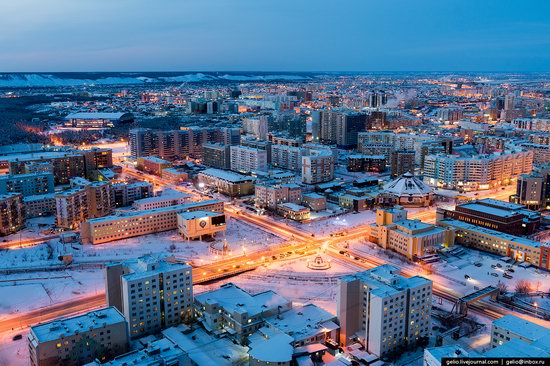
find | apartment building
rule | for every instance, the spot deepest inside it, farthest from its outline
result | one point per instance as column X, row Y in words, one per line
column 131, row 224
column 246, row 159
column 12, row 213
column 65, row 164
column 383, row 310
column 100, row 334
column 269, row 196
column 341, row 127
column 389, row 141
column 126, row 193
column 71, row 208
column 366, row 163
column 317, row 167
column 152, row 292
column 216, row 156
column 39, row 205
column 257, row 126
column 27, row 184
column 287, row 157
column 476, row 172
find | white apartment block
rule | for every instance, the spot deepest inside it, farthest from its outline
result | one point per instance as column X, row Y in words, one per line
column 153, row 293
column 532, row 124
column 257, row 126
column 398, row 141
column 318, row 167
column 269, row 196
column 131, row 224
column 476, row 172
column 383, row 310
column 287, row 157
column 246, row 159
column 100, row 334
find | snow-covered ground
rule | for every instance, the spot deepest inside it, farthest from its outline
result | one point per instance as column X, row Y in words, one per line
column 33, row 229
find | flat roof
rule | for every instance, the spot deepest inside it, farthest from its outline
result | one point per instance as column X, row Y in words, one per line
column 304, row 321
column 497, row 234
column 517, row 348
column 96, row 115
column 58, row 328
column 234, row 299
column 522, row 327
column 227, row 175
column 270, row 345
column 196, row 214
column 488, row 210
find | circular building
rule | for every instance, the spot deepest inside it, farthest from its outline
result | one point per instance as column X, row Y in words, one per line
column 408, row 191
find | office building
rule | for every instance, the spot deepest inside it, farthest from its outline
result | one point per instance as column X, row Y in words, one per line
column 228, row 183
column 12, row 213
column 509, row 218
column 518, row 248
column 152, row 292
column 233, row 311
column 246, row 159
column 216, row 156
column 269, row 195
column 476, row 172
column 385, row 311
column 27, row 184
column 511, row 327
column 199, row 224
column 401, row 162
column 410, row 238
column 137, row 223
column 101, row 334
column 97, row 120
column 168, row 198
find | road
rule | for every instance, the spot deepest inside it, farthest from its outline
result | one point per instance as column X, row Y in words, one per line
column 298, row 243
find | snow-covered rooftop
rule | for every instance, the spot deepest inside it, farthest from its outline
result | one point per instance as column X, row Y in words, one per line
column 228, row 176
column 407, row 184
column 522, row 327
column 304, row 322
column 517, row 348
column 95, row 115
column 271, row 345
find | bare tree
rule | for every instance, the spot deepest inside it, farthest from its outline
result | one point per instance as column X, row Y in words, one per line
column 523, row 287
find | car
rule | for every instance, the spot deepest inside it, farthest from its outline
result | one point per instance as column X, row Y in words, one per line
column 478, row 264
column 510, row 270
column 467, row 277
column 499, row 265
column 342, row 252
column 507, row 275
column 493, row 266
column 17, row 337
column 494, row 274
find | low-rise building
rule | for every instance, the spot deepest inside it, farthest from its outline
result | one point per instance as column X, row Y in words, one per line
column 408, row 191
column 100, row 334
column 293, row 211
column 153, row 164
column 197, row 224
column 126, row 193
column 366, row 163
column 168, row 198
column 511, row 327
column 227, row 183
column 516, row 247
column 174, row 176
column 235, row 312
column 314, row 201
column 131, row 224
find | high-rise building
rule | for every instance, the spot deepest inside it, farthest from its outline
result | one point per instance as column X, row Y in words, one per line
column 384, row 310
column 257, row 126
column 287, row 157
column 402, row 161
column 98, row 158
column 246, row 159
column 317, row 167
column 71, row 208
column 341, row 127
column 143, row 142
column 216, row 156
column 12, row 213
column 100, row 334
column 153, row 293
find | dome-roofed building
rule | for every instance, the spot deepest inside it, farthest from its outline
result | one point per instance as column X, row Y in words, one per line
column 407, row 190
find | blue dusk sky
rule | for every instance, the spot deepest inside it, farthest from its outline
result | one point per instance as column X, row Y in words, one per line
column 278, row 35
